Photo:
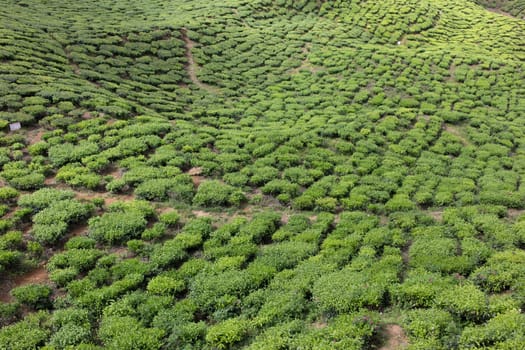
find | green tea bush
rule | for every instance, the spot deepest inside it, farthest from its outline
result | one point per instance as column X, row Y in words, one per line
column 286, row 254
column 30, row 333
column 127, row 333
column 44, row 197
column 499, row 331
column 165, row 285
column 80, row 259
column 179, row 188
column 225, row 334
column 9, row 312
column 61, row 277
column 34, row 295
column 215, row 193
column 7, row 194
column 501, row 272
column 420, row 288
column 436, row 324
column 346, row 291
column 465, row 301
column 170, row 218
column 117, row 226
column 80, row 242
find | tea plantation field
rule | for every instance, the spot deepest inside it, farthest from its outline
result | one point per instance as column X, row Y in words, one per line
column 262, row 174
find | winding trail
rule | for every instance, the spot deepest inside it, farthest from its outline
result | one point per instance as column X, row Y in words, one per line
column 454, row 131
column 192, row 67
column 503, row 13
column 36, row 276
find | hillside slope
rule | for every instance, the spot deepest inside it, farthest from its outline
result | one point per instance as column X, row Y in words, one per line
column 263, row 174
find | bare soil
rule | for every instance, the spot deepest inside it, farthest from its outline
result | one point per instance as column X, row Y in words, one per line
column 191, row 66
column 501, row 12
column 455, row 131
column 436, row 215
column 109, row 198
column 50, row 181
column 35, row 136
column 319, row 325
column 36, row 276
column 305, row 64
column 195, row 171
column 87, row 115
column 395, row 338
column 197, row 180
column 77, row 230
column 515, row 213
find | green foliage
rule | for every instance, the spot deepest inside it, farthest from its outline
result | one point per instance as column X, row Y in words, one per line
column 44, row 197
column 420, row 288
column 498, row 332
column 51, row 223
column 346, row 291
column 435, row 324
column 79, row 259
column 170, row 218
column 117, row 226
column 7, row 194
column 164, row 285
column 465, row 301
column 214, row 193
column 127, row 333
column 223, row 335
column 34, row 295
column 501, row 271
column 25, row 335
column 178, row 188
column 409, row 112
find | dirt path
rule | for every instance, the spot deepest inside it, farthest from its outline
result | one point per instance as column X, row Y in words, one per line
column 503, row 13
column 35, row 136
column 395, row 338
column 236, row 13
column 305, row 64
column 196, row 176
column 454, row 131
column 108, row 198
column 436, row 215
column 192, row 67
column 515, row 213
column 38, row 275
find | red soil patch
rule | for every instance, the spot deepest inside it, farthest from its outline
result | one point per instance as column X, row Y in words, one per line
column 165, row 210
column 120, row 251
column 396, row 338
